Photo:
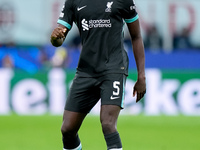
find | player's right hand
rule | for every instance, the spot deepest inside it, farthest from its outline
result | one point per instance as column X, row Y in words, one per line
column 58, row 33
column 58, row 36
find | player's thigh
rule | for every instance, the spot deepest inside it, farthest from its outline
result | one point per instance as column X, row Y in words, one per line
column 109, row 113
column 83, row 95
column 108, row 117
column 112, row 90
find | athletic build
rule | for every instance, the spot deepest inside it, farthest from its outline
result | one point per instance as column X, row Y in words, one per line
column 103, row 64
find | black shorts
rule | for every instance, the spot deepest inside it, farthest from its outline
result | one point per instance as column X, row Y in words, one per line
column 85, row 92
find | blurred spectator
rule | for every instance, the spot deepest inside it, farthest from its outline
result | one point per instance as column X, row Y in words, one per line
column 153, row 39
column 182, row 40
column 44, row 59
column 7, row 61
column 75, row 42
column 60, row 58
column 127, row 43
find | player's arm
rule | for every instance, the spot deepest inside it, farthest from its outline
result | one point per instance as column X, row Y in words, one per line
column 138, row 51
column 58, row 35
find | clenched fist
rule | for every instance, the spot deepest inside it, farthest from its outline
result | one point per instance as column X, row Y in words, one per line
column 58, row 36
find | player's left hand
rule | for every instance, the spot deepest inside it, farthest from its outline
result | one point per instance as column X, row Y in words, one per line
column 139, row 89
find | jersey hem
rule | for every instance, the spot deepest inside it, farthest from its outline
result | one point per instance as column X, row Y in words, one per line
column 84, row 74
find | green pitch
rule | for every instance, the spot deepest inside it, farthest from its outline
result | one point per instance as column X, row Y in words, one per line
column 137, row 133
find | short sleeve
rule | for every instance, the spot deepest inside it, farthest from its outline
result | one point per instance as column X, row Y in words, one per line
column 66, row 16
column 128, row 11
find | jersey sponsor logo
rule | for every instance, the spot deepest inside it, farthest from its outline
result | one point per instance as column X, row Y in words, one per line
column 84, row 25
column 109, row 5
column 79, row 8
column 100, row 23
column 112, row 97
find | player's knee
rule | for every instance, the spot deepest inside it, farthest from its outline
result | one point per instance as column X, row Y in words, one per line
column 63, row 129
column 67, row 130
column 108, row 127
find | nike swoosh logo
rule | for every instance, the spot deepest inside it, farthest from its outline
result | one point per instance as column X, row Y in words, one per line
column 78, row 9
column 113, row 97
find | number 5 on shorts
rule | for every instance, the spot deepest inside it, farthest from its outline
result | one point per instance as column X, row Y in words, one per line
column 116, row 86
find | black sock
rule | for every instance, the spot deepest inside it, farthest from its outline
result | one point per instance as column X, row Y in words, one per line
column 113, row 140
column 70, row 142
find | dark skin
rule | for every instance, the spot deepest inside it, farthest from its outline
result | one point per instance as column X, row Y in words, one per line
column 138, row 51
column 58, row 35
column 108, row 113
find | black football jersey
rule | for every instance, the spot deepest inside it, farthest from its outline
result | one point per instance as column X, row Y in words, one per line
column 100, row 23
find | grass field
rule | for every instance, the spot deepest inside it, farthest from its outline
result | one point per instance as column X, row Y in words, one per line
column 137, row 133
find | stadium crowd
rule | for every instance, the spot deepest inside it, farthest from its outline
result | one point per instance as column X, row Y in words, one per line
column 34, row 58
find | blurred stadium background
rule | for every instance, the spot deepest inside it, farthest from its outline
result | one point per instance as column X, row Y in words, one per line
column 35, row 77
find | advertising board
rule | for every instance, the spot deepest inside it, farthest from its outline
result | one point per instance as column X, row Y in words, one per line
column 168, row 92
